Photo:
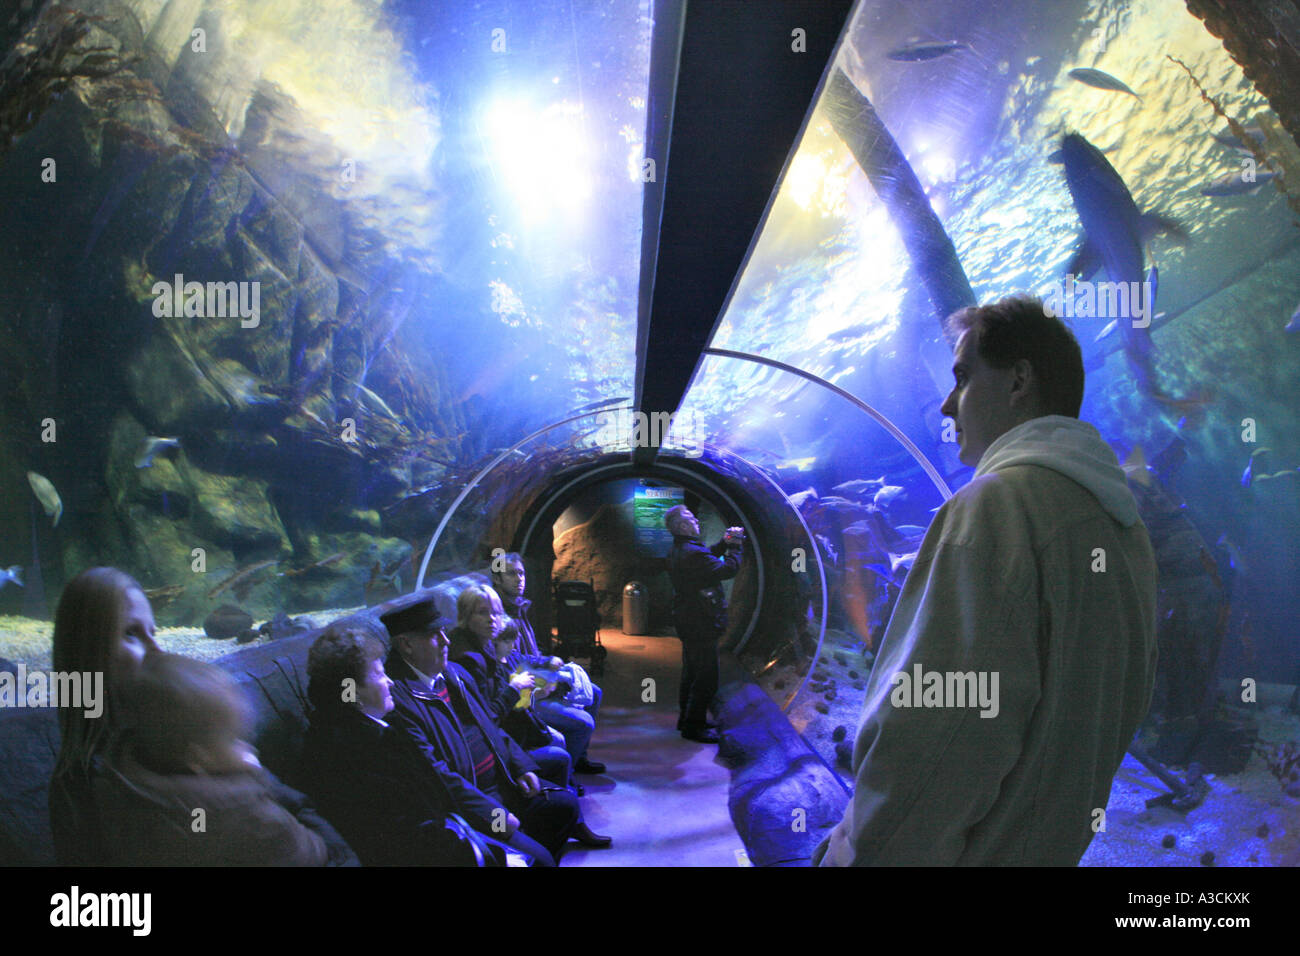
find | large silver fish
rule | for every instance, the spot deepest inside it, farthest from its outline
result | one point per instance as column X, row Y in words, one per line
column 801, row 498
column 887, row 494
column 46, row 495
column 860, row 487
column 1113, row 229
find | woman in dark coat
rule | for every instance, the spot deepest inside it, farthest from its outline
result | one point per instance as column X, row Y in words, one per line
column 369, row 780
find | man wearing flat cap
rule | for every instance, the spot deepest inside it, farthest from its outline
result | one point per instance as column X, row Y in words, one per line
column 491, row 781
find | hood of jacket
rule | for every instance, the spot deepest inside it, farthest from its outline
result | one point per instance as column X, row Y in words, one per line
column 1072, row 448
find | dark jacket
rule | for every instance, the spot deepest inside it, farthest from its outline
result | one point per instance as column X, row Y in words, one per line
column 74, row 819
column 517, row 610
column 375, row 785
column 697, row 573
column 249, row 819
column 492, row 678
column 437, row 733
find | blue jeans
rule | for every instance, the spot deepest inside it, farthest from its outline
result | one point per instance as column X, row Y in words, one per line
column 555, row 764
column 576, row 723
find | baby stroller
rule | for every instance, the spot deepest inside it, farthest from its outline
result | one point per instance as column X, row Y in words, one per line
column 577, row 624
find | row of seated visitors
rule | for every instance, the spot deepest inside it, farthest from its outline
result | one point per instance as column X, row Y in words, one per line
column 406, row 752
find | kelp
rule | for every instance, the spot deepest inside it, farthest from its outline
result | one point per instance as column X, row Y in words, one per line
column 49, row 59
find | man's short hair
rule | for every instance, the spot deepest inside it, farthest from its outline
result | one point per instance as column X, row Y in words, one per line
column 1021, row 328
column 504, row 561
column 344, row 651
column 674, row 516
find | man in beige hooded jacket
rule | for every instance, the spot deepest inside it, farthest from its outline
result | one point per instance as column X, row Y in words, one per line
column 1021, row 656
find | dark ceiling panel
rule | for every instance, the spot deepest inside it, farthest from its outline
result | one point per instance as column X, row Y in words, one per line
column 742, row 93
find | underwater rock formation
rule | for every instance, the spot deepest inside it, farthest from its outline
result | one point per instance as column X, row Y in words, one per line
column 1262, row 37
column 604, row 550
column 163, row 216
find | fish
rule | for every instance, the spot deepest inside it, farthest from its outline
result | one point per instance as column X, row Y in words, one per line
column 828, row 548
column 1113, row 228
column 384, row 579
column 918, row 50
column 860, row 486
column 159, row 597
column 46, row 495
column 1235, row 184
column 1288, row 473
column 839, row 505
column 1087, row 260
column 1235, row 560
column 1057, row 158
column 1229, row 138
column 876, row 529
column 334, row 558
column 1294, row 324
column 887, row 494
column 151, row 447
column 801, row 498
column 1248, row 475
column 910, row 530
column 899, row 566
column 14, row 574
column 1191, row 408
column 1135, row 467
column 1101, row 81
column 242, row 578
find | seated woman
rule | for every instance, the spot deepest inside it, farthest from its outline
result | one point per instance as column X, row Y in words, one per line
column 103, row 625
column 180, row 787
column 370, row 779
column 576, row 721
column 480, row 625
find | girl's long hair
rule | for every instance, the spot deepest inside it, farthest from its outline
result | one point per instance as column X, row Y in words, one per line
column 88, row 623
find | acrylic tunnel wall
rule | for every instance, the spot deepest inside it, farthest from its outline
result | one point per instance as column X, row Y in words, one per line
column 305, row 302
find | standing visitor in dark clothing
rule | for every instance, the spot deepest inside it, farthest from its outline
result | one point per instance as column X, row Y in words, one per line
column 700, row 614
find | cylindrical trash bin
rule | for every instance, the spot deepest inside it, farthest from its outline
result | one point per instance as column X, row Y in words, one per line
column 636, row 608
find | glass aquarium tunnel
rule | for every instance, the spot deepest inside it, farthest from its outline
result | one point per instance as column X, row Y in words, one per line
column 309, row 304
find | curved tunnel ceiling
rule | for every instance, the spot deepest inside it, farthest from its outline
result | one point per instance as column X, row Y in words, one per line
column 448, row 209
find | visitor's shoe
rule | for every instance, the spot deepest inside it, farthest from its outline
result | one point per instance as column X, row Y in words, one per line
column 702, row 735
column 588, row 766
column 582, row 833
